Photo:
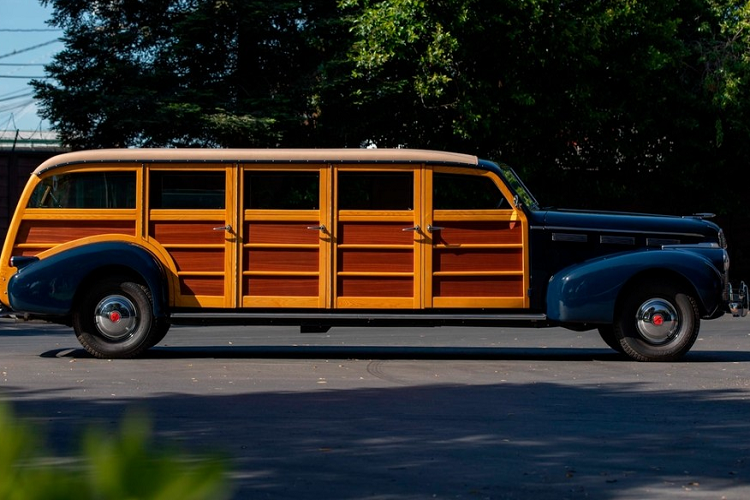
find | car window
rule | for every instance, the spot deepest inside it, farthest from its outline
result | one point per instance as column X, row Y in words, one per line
column 187, row 190
column 86, row 190
column 292, row 190
column 376, row 190
column 466, row 192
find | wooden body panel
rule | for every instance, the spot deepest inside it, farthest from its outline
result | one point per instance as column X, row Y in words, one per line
column 41, row 233
column 284, row 255
column 377, row 252
column 281, row 261
column 478, row 258
column 198, row 252
column 61, row 230
column 328, row 257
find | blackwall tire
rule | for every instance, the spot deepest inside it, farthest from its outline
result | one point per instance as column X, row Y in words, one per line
column 607, row 333
column 160, row 331
column 114, row 319
column 657, row 322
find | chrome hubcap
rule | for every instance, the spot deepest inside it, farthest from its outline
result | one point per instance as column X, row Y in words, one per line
column 657, row 321
column 116, row 317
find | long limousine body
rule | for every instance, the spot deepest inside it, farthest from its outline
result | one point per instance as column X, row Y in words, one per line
column 121, row 244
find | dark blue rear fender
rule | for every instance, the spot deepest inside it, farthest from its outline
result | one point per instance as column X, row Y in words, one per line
column 49, row 286
column 588, row 292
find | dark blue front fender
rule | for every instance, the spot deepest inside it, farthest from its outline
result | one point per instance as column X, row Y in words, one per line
column 48, row 286
column 588, row 292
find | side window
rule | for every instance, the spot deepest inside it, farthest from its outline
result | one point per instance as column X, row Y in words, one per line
column 292, row 190
column 86, row 190
column 187, row 189
column 466, row 192
column 376, row 190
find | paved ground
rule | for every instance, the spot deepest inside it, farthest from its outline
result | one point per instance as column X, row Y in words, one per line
column 411, row 413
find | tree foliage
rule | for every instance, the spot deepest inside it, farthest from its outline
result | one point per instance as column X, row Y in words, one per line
column 618, row 88
column 181, row 72
column 626, row 104
column 623, row 94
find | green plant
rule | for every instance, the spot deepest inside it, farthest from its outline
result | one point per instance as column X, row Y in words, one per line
column 117, row 466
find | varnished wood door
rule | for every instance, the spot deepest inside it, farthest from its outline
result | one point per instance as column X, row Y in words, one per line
column 475, row 254
column 284, row 258
column 377, row 234
column 191, row 216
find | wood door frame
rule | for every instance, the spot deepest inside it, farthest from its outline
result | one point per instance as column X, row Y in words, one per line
column 399, row 219
column 512, row 216
column 302, row 220
column 209, row 219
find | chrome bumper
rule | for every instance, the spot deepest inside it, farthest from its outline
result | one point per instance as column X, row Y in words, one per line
column 738, row 301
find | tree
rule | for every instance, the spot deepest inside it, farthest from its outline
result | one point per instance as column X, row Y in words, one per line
column 630, row 96
column 603, row 87
column 182, row 73
column 629, row 105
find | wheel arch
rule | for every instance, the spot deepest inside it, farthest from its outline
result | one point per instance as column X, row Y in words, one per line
column 52, row 285
column 591, row 292
column 126, row 273
column 662, row 275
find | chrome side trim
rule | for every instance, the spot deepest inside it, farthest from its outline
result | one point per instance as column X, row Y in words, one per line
column 575, row 238
column 661, row 242
column 617, row 240
column 613, row 231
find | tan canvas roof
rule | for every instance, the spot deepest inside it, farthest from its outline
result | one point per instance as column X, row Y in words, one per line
column 260, row 155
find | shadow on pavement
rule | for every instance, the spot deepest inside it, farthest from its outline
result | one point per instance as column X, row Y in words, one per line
column 500, row 440
column 403, row 352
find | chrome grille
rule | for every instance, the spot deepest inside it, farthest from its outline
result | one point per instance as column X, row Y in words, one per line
column 722, row 239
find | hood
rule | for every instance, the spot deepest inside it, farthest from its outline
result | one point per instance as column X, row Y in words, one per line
column 664, row 228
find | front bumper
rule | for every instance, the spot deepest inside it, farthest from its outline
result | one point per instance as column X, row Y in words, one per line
column 738, row 300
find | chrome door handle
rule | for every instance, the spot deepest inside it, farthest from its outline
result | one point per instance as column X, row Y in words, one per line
column 415, row 228
column 321, row 227
column 227, row 228
column 432, row 228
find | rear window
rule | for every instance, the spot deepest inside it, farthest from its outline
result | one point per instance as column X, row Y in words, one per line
column 86, row 190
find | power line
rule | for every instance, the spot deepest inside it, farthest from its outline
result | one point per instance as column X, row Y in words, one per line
column 26, row 77
column 28, row 30
column 29, row 48
column 21, row 96
column 15, row 93
column 21, row 64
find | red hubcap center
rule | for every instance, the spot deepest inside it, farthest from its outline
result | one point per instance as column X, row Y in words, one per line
column 658, row 320
column 115, row 316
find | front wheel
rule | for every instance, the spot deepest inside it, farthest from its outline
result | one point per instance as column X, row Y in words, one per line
column 607, row 333
column 114, row 319
column 657, row 322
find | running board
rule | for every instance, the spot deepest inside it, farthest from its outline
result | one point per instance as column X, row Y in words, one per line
column 353, row 318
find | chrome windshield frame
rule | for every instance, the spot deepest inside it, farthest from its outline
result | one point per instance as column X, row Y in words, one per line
column 522, row 194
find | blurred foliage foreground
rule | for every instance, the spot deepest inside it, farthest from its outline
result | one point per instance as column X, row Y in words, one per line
column 112, row 466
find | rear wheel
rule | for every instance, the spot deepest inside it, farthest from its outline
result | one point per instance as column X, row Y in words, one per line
column 657, row 322
column 114, row 319
column 160, row 331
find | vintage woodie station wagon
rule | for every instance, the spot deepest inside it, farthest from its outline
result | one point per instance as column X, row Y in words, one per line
column 122, row 243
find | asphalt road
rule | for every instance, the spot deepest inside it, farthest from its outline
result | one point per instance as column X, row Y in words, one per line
column 410, row 413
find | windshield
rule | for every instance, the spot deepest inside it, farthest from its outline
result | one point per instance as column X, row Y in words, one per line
column 522, row 193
